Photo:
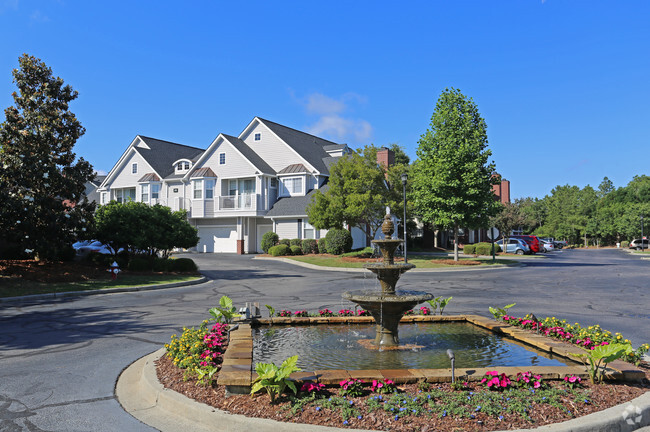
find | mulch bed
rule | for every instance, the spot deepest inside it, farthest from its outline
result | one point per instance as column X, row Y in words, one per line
column 601, row 397
column 51, row 271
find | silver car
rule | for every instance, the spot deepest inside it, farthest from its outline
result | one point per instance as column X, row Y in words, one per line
column 515, row 246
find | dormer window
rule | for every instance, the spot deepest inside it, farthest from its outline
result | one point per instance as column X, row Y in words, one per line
column 186, row 165
column 182, row 166
column 293, row 185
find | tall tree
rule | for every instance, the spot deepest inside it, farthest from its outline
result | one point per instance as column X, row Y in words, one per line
column 508, row 218
column 357, row 194
column 42, row 181
column 452, row 179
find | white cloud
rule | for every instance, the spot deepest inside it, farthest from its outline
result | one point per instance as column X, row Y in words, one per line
column 332, row 123
column 101, row 172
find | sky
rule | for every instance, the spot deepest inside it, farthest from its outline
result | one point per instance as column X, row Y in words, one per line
column 564, row 86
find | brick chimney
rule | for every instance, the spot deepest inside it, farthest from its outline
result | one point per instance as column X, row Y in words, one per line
column 502, row 190
column 385, row 157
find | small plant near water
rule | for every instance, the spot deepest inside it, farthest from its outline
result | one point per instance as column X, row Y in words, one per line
column 598, row 358
column 325, row 313
column 351, row 387
column 383, row 387
column 271, row 310
column 225, row 312
column 275, row 379
column 573, row 381
column 498, row 312
column 439, row 303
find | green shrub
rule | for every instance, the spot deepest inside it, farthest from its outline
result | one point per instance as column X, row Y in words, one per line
column 322, row 245
column 139, row 263
column 182, row 265
column 161, row 265
column 469, row 249
column 295, row 242
column 284, row 242
column 338, row 241
column 279, row 250
column 100, row 260
column 269, row 239
column 625, row 244
column 309, row 246
column 296, row 250
column 67, row 253
column 361, row 253
column 485, row 248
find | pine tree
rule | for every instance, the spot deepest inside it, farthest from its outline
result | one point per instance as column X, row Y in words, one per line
column 42, row 181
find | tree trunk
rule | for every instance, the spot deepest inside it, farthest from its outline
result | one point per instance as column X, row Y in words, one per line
column 455, row 242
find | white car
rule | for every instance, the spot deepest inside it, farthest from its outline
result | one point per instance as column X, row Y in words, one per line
column 548, row 246
column 515, row 246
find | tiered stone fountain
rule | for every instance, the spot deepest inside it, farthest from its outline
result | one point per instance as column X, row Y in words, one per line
column 389, row 305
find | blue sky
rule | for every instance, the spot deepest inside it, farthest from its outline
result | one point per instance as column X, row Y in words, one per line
column 564, row 86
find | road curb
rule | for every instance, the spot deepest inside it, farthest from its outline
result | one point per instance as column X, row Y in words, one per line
column 141, row 395
column 52, row 296
column 415, row 270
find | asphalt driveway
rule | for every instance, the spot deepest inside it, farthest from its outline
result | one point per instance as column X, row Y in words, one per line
column 59, row 360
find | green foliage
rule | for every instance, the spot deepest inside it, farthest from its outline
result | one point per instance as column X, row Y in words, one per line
column 225, row 312
column 322, row 245
column 182, row 265
column 485, row 248
column 625, row 244
column 509, row 217
column 285, row 242
column 469, row 249
column 366, row 252
column 439, row 302
column 271, row 310
column 500, row 312
column 598, row 358
column 139, row 263
column 295, row 242
column 42, row 182
column 161, row 264
column 356, row 194
column 296, row 250
column 338, row 241
column 275, row 379
column 269, row 239
column 136, row 226
column 280, row 250
column 452, row 179
column 309, row 246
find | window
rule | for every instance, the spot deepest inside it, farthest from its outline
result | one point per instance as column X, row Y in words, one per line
column 232, row 187
column 179, row 166
column 209, row 189
column 274, row 183
column 155, row 191
column 222, row 158
column 104, row 198
column 145, row 193
column 293, row 185
column 198, row 189
column 134, row 168
column 187, row 165
column 258, row 136
column 308, row 230
column 125, row 195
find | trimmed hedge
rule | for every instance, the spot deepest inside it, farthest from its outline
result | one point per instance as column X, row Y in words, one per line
column 295, row 242
column 338, row 241
column 485, row 248
column 469, row 249
column 138, row 263
column 269, row 239
column 280, row 250
column 284, row 242
column 625, row 244
column 322, row 245
column 182, row 265
column 296, row 250
column 309, row 246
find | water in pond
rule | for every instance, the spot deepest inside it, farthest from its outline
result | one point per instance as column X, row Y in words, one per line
column 337, row 347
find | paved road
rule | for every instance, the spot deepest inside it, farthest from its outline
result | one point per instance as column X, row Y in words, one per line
column 59, row 360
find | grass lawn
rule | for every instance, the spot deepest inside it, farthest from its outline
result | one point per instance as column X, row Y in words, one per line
column 420, row 261
column 11, row 287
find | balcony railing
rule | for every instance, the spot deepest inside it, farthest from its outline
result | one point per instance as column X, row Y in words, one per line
column 238, row 202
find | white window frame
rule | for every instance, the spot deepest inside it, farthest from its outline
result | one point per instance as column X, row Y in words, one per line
column 144, row 193
column 222, row 158
column 293, row 191
column 209, row 188
column 306, row 227
column 155, row 190
column 134, row 168
column 198, row 189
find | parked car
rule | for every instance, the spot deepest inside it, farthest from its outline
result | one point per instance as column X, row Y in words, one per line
column 85, row 247
column 515, row 245
column 533, row 241
column 548, row 246
column 637, row 244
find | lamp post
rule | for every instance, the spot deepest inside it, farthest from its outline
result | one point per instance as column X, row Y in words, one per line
column 641, row 233
column 404, row 179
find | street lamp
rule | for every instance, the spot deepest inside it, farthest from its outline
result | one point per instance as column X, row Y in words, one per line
column 641, row 233
column 404, row 179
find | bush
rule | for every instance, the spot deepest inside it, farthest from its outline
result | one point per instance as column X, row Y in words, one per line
column 162, row 265
column 296, row 250
column 361, row 253
column 322, row 246
column 182, row 265
column 101, row 260
column 67, row 253
column 469, row 249
column 279, row 250
column 269, row 239
column 139, row 263
column 295, row 242
column 625, row 244
column 485, row 248
column 338, row 241
column 285, row 242
column 309, row 246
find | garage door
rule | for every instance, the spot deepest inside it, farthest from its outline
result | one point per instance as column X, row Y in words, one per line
column 217, row 239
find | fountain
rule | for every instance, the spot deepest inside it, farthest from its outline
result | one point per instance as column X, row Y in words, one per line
column 388, row 306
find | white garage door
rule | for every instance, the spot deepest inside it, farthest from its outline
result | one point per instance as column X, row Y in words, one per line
column 217, row 239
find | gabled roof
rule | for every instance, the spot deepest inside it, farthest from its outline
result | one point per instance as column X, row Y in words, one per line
column 293, row 206
column 249, row 154
column 309, row 147
column 161, row 155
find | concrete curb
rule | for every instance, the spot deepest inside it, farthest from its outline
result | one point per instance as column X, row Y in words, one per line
column 51, row 296
column 415, row 270
column 141, row 395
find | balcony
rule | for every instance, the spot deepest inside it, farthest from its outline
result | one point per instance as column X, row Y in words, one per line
column 238, row 202
column 201, row 208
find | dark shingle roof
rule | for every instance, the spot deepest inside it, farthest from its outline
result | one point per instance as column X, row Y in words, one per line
column 292, row 169
column 249, row 154
column 162, row 154
column 309, row 147
column 293, row 206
